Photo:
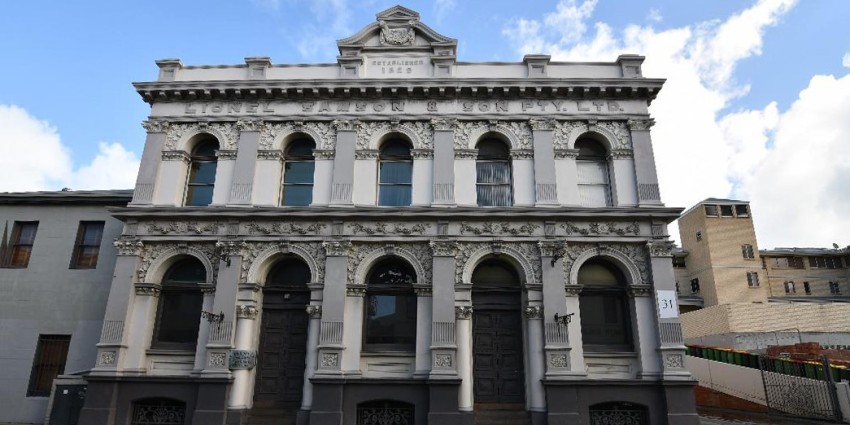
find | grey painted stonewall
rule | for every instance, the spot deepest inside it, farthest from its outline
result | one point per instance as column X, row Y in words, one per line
column 243, row 173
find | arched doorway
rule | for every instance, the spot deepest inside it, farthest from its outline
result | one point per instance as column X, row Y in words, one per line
column 497, row 348
column 283, row 337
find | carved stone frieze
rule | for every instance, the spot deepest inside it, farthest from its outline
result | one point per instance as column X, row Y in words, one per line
column 249, row 312
column 323, row 154
column 622, row 154
column 250, row 251
column 249, row 125
column 609, row 228
column 172, row 155
column 422, row 154
column 345, row 125
column 269, row 155
column 337, row 248
column 463, row 312
column 355, row 290
column 283, row 229
column 402, row 36
column 562, row 132
column 566, row 153
column 146, row 289
column 424, row 132
column 359, row 251
column 381, row 228
column 522, row 154
column 314, row 311
column 528, row 250
column 226, row 155
column 466, row 153
column 542, row 124
column 443, row 248
column 443, row 124
column 423, row 291
column 641, row 125
column 640, row 291
column 534, row 312
column 504, row 229
column 463, row 131
column 521, row 130
column 325, row 132
column 226, row 131
column 572, row 290
column 184, row 228
column 551, row 248
column 366, row 130
column 156, row 126
column 623, row 138
column 128, row 246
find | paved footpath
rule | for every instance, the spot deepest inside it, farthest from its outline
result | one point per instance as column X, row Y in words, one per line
column 712, row 420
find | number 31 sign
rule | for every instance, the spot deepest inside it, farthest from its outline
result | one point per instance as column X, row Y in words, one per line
column 667, row 307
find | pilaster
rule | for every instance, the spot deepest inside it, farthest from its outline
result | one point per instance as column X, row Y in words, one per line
column 323, row 177
column 143, row 194
column 465, row 177
column 267, row 178
column 646, row 175
column 545, row 181
column 334, row 304
column 623, row 178
column 343, row 175
column 566, row 173
column 366, row 175
column 242, row 186
column 444, row 356
column 669, row 327
column 423, row 177
column 443, row 163
column 523, row 173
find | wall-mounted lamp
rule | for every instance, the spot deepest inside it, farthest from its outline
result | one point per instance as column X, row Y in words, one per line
column 213, row 318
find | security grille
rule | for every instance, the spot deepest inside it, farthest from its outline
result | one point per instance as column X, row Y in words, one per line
column 159, row 412
column 385, row 413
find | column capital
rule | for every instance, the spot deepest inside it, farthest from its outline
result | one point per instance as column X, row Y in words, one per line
column 444, row 124
column 422, row 153
column 148, row 289
column 573, row 290
column 639, row 291
column 156, row 126
column 247, row 312
column 423, row 290
column 545, row 124
column 355, row 290
column 662, row 248
column 463, row 312
column 552, row 248
column 366, row 154
column 249, row 125
column 345, row 125
column 128, row 246
column 641, row 125
column 336, row 248
column 534, row 312
column 522, row 154
column 314, row 311
column 442, row 248
column 566, row 153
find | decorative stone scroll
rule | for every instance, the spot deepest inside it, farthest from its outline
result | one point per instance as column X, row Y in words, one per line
column 383, row 228
column 242, row 359
column 534, row 312
column 247, row 312
column 128, row 246
column 641, row 125
column 602, row 229
column 184, row 228
column 443, row 361
column 490, row 228
column 314, row 311
column 404, row 36
column 463, row 312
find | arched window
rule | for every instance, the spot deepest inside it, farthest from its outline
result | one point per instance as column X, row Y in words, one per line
column 593, row 178
column 158, row 411
column 179, row 312
column 605, row 319
column 199, row 189
column 390, row 319
column 493, row 171
column 298, row 171
column 395, row 174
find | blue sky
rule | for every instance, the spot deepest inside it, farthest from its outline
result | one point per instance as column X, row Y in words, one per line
column 740, row 65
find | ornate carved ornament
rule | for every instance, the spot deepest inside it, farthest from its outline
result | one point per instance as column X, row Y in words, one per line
column 226, row 155
column 323, row 154
column 128, row 246
column 418, row 254
column 217, row 360
column 381, row 228
column 551, row 248
column 231, row 248
column 441, row 248
column 249, row 312
column 148, row 289
column 423, row 290
column 345, row 125
column 502, row 229
column 635, row 254
column 566, row 153
column 312, row 249
column 184, row 228
column 337, row 248
column 242, row 359
column 573, row 290
column 559, row 360
column 330, row 361
column 422, row 153
column 526, row 252
column 366, row 154
column 152, row 251
column 640, row 291
column 323, row 133
column 463, row 312
column 563, row 132
column 534, row 312
column 156, row 126
column 542, row 124
column 269, row 155
column 400, row 36
column 314, row 311
column 172, row 155
column 355, row 290
column 466, row 153
column 443, row 124
column 674, row 361
column 249, row 125
column 609, row 228
column 522, row 154
column 226, row 133
column 641, row 125
column 443, row 361
column 285, row 229
column 622, row 154
column 660, row 248
column 467, row 133
column 420, row 132
column 622, row 136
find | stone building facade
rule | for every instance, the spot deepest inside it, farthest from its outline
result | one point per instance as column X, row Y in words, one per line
column 398, row 237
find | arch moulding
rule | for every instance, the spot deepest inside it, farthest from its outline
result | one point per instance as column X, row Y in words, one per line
column 514, row 256
column 165, row 259
column 263, row 262
column 380, row 253
column 618, row 258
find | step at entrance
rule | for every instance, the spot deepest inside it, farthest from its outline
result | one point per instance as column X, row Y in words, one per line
column 501, row 414
column 271, row 417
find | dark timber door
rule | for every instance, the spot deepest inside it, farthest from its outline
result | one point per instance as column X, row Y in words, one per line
column 283, row 349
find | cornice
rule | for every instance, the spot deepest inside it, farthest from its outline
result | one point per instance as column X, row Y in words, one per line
column 566, row 88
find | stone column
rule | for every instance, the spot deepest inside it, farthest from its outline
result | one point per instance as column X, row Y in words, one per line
column 443, row 344
column 343, row 175
column 624, row 189
column 647, row 178
column 672, row 346
column 444, row 158
column 566, row 173
column 330, row 348
column 534, row 354
column 141, row 326
column 423, row 177
column 557, row 342
column 223, row 177
column 352, row 339
column 366, row 176
column 243, row 358
column 149, row 166
column 204, row 328
column 523, row 171
column 544, row 163
column 171, row 179
column 268, row 178
column 463, row 314
column 315, row 313
column 646, row 340
column 227, row 295
column 465, row 177
column 114, row 340
column 423, row 330
column 575, row 364
column 323, row 177
column 242, row 186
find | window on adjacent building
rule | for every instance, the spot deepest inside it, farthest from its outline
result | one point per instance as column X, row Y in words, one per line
column 726, row 211
column 18, row 253
column 786, row 262
column 395, row 174
column 695, row 286
column 741, row 210
column 298, row 170
column 87, row 246
column 789, row 287
column 603, row 307
column 752, row 279
column 594, row 189
column 699, row 236
column 825, row 262
column 834, row 288
column 202, row 167
column 390, row 319
column 747, row 251
column 712, row 211
column 807, row 288
column 49, row 362
column 493, row 174
column 679, row 262
column 180, row 303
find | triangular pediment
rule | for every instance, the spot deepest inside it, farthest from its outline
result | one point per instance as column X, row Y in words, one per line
column 398, row 12
column 395, row 28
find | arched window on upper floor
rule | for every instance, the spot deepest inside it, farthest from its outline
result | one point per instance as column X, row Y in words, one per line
column 395, row 174
column 594, row 186
column 178, row 314
column 605, row 319
column 390, row 319
column 493, row 171
column 202, row 166
column 298, row 169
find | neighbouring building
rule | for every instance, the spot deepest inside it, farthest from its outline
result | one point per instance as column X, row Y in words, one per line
column 56, row 263
column 736, row 295
column 394, row 238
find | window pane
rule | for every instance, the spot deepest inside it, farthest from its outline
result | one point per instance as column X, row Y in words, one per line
column 92, row 233
column 203, row 172
column 50, row 356
column 180, row 316
column 391, row 319
column 26, row 234
column 396, row 172
column 199, row 196
column 711, row 210
column 297, row 195
column 741, row 210
column 726, row 210
column 187, row 270
column 494, row 195
column 20, row 256
column 298, row 172
column 493, row 172
column 603, row 320
column 394, row 195
column 87, row 256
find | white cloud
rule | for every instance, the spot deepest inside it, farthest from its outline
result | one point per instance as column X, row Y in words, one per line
column 331, row 21
column 443, row 8
column 845, row 61
column 32, row 153
column 654, row 15
column 793, row 165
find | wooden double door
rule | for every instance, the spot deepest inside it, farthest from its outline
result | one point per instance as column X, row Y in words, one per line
column 283, row 349
column 497, row 348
